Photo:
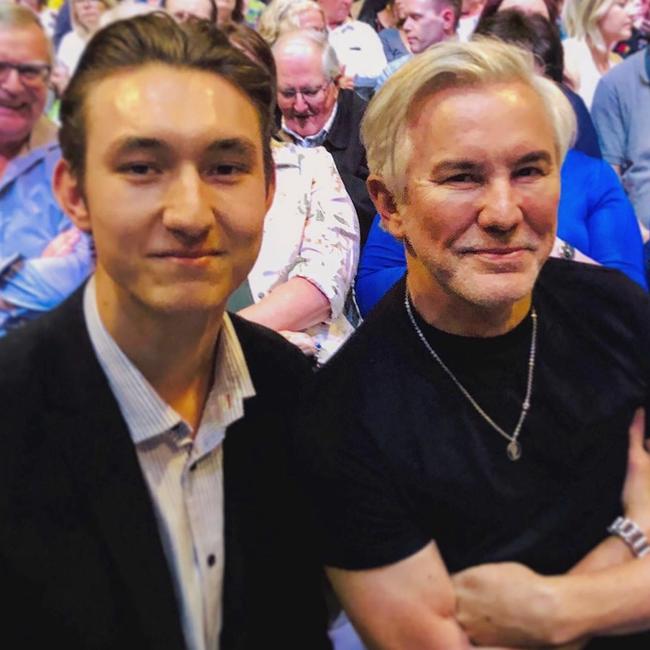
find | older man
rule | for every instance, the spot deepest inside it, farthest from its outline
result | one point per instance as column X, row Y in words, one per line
column 32, row 278
column 146, row 499
column 481, row 413
column 316, row 113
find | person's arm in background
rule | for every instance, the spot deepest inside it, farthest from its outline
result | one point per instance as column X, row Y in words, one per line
column 317, row 286
column 40, row 284
column 382, row 264
column 596, row 215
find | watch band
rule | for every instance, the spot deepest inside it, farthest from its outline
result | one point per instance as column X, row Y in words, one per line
column 631, row 534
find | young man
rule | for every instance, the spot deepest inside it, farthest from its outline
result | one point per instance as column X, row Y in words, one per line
column 495, row 427
column 146, row 497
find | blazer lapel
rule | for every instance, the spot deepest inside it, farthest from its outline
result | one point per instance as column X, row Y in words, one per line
column 100, row 454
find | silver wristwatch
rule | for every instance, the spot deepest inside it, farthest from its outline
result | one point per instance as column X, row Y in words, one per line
column 631, row 534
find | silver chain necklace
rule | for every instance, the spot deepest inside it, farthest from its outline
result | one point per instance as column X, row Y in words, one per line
column 514, row 446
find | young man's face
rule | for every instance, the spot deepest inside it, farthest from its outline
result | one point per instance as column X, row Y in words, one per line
column 174, row 190
column 483, row 184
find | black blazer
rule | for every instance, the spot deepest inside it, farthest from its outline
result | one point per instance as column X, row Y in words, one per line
column 81, row 562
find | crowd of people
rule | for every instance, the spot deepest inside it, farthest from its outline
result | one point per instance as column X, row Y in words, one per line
column 307, row 284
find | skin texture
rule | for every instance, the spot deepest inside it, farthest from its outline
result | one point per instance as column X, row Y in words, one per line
column 616, row 24
column 426, row 24
column 181, row 10
column 526, row 6
column 481, row 206
column 88, row 13
column 21, row 105
column 176, row 217
column 299, row 65
column 336, row 11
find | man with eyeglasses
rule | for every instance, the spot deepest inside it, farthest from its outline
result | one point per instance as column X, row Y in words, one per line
column 34, row 276
column 315, row 112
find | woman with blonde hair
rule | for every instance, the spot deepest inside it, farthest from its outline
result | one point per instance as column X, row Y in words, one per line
column 85, row 16
column 286, row 15
column 594, row 27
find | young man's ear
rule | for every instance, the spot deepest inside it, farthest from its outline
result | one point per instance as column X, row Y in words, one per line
column 69, row 194
column 386, row 205
column 448, row 18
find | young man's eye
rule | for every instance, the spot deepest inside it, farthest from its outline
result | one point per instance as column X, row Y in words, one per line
column 138, row 169
column 226, row 170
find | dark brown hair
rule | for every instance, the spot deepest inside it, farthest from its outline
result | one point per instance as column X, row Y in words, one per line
column 531, row 32
column 157, row 38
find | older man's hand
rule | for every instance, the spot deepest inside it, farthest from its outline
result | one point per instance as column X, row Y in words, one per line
column 504, row 604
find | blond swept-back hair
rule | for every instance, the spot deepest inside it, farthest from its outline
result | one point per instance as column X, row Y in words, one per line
column 385, row 127
column 580, row 19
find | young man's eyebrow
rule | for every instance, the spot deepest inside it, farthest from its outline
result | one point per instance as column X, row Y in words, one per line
column 238, row 146
column 135, row 143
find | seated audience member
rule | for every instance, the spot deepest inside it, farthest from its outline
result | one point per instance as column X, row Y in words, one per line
column 232, row 11
column 426, row 23
column 620, row 112
column 309, row 254
column 536, row 33
column 146, row 497
column 471, row 493
column 310, row 246
column 394, row 42
column 282, row 16
column 356, row 44
column 85, row 16
column 30, row 281
column 594, row 28
column 316, row 112
column 182, row 10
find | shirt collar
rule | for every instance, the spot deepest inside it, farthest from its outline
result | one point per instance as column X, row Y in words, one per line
column 146, row 414
column 318, row 138
column 44, row 132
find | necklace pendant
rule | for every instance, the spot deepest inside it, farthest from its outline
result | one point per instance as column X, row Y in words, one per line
column 513, row 450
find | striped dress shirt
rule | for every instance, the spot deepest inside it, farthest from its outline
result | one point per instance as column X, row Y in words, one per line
column 184, row 475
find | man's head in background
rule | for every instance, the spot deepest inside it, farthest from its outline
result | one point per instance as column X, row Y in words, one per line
column 428, row 22
column 307, row 70
column 25, row 64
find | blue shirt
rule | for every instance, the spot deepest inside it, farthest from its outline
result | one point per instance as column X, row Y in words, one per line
column 30, row 219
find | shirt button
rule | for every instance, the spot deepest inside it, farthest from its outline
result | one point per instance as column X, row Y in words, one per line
column 211, row 559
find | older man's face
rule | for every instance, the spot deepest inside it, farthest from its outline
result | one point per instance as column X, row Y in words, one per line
column 483, row 184
column 22, row 90
column 306, row 96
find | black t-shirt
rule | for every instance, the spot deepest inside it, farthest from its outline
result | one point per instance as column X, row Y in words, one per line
column 395, row 456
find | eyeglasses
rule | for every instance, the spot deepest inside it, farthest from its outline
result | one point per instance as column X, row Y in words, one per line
column 30, row 74
column 307, row 92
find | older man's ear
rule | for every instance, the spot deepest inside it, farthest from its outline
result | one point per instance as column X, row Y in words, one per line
column 386, row 204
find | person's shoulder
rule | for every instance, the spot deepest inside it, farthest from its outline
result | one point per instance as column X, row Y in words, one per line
column 593, row 288
column 271, row 359
column 625, row 72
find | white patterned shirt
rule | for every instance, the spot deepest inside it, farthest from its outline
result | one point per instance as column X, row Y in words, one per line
column 184, row 476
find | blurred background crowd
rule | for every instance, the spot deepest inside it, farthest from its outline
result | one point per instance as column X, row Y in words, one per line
column 325, row 260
